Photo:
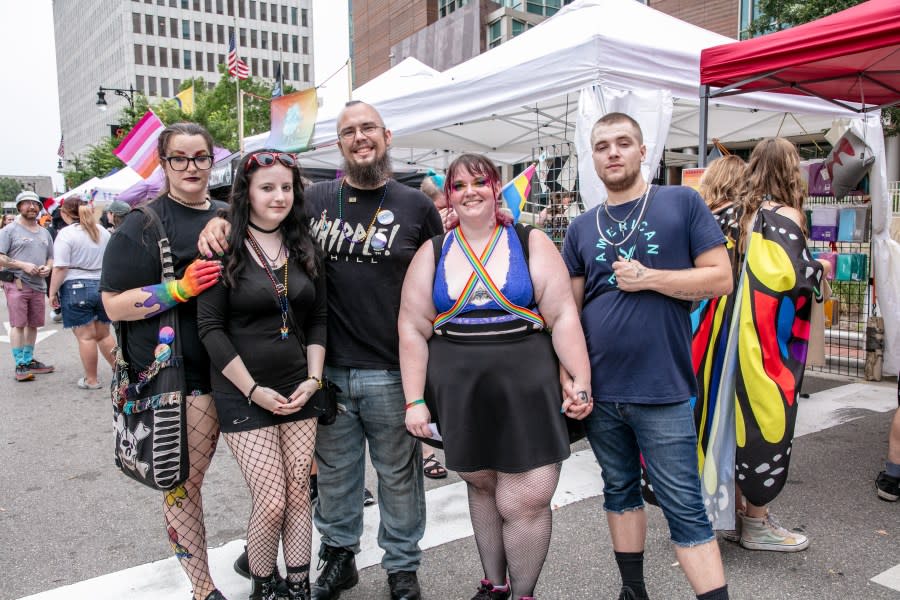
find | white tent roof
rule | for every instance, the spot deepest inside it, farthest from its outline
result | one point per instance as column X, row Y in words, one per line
column 524, row 93
column 119, row 181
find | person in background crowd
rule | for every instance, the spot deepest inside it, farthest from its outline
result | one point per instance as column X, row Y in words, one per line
column 116, row 213
column 26, row 252
column 634, row 290
column 134, row 296
column 75, row 286
column 487, row 371
column 8, row 220
column 264, row 329
column 369, row 226
column 887, row 484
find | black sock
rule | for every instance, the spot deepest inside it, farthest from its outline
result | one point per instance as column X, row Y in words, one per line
column 716, row 594
column 631, row 568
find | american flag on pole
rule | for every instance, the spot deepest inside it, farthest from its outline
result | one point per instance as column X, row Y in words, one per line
column 138, row 149
column 236, row 66
column 61, row 152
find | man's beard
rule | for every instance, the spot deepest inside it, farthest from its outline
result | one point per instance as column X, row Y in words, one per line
column 371, row 175
column 622, row 184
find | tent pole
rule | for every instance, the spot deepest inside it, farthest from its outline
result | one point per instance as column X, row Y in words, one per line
column 704, row 115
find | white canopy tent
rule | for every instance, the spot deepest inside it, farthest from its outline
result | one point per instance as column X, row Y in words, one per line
column 108, row 188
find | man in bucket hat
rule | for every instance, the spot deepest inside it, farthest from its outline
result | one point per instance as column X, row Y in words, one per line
column 26, row 251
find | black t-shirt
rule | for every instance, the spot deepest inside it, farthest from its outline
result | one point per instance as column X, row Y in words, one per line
column 363, row 282
column 132, row 261
column 246, row 320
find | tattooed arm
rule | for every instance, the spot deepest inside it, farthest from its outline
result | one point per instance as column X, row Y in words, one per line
column 148, row 301
column 710, row 277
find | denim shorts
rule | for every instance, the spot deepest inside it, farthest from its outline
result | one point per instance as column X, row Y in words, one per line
column 79, row 300
column 621, row 434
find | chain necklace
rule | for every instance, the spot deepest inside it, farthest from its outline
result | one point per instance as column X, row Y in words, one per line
column 272, row 261
column 341, row 214
column 281, row 289
column 634, row 225
column 631, row 212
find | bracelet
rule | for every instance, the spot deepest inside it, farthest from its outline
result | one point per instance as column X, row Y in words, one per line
column 250, row 394
column 415, row 402
column 316, row 379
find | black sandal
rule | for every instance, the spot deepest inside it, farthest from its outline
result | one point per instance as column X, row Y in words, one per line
column 433, row 468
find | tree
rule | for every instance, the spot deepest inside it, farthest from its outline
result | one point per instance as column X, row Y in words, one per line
column 775, row 15
column 214, row 108
column 9, row 189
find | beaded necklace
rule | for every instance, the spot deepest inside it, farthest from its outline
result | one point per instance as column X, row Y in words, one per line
column 341, row 214
column 281, row 289
column 634, row 225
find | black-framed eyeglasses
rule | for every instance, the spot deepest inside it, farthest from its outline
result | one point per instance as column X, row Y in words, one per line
column 267, row 159
column 367, row 130
column 180, row 163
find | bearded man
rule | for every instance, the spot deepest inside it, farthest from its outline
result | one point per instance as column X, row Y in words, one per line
column 369, row 227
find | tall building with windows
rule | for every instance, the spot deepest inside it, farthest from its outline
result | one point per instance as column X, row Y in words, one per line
column 154, row 45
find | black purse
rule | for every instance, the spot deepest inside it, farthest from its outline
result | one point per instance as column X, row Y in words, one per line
column 149, row 414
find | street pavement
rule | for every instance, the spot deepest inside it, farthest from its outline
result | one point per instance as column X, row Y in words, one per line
column 72, row 527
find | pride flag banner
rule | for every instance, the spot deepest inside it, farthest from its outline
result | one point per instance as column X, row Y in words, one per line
column 293, row 121
column 138, row 149
column 515, row 193
column 185, row 99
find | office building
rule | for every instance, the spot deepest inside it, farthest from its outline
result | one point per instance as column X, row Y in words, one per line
column 154, row 45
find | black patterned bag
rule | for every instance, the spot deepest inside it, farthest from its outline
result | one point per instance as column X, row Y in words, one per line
column 149, row 414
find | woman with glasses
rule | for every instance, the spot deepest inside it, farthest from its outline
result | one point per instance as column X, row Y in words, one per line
column 134, row 296
column 75, row 286
column 478, row 363
column 264, row 328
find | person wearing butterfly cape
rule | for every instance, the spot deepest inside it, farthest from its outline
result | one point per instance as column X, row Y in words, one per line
column 476, row 360
column 636, row 262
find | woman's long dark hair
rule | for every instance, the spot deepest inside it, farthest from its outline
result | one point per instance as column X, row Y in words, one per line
column 294, row 228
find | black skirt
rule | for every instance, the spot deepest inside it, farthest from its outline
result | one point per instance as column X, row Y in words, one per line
column 236, row 415
column 496, row 402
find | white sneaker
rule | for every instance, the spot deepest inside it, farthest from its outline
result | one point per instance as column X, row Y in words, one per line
column 733, row 535
column 766, row 534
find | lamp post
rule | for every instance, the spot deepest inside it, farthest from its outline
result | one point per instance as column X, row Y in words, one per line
column 127, row 94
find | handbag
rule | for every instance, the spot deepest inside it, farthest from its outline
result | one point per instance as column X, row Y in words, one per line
column 149, row 414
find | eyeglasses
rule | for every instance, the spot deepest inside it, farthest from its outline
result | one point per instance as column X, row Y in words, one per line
column 267, row 159
column 180, row 163
column 476, row 184
column 367, row 130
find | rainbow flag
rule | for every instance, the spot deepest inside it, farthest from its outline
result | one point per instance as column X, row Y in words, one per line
column 515, row 193
column 138, row 149
column 293, row 121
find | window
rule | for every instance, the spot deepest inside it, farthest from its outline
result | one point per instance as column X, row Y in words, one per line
column 175, row 61
column 220, row 34
column 219, row 9
column 252, row 9
column 176, row 86
column 197, row 5
column 304, row 17
column 445, row 7
column 263, row 40
column 187, row 59
column 163, row 57
column 198, row 60
column 173, row 3
column 198, row 31
column 210, row 62
column 151, row 56
column 138, row 54
column 749, row 12
column 263, row 11
column 495, row 34
column 243, row 38
column 136, row 22
column 161, row 27
column 296, row 72
column 186, row 29
column 173, row 27
column 221, row 60
column 295, row 44
column 208, row 6
column 209, row 32
column 241, row 12
column 164, row 87
column 284, row 41
column 253, row 38
column 274, row 41
column 139, row 83
column 185, row 4
column 284, row 13
column 305, row 72
column 273, row 10
column 148, row 24
column 293, row 15
column 151, row 87
column 210, row 85
column 254, row 66
column 265, row 68
column 518, row 27
column 230, row 8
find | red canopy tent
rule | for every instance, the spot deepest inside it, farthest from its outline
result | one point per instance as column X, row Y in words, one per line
column 850, row 56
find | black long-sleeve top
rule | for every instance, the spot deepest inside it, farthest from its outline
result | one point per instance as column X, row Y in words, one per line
column 245, row 320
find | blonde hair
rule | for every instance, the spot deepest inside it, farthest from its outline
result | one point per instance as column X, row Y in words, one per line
column 774, row 176
column 724, row 182
column 80, row 211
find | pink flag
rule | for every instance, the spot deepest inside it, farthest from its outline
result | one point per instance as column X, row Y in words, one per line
column 138, row 149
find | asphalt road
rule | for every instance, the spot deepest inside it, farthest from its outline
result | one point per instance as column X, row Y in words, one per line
column 66, row 514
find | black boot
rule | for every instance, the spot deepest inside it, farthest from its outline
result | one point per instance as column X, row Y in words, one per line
column 264, row 588
column 298, row 590
column 338, row 574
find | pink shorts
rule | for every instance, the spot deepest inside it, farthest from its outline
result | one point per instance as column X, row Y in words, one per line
column 26, row 307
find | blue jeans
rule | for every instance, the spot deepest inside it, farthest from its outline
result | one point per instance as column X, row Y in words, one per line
column 375, row 413
column 664, row 433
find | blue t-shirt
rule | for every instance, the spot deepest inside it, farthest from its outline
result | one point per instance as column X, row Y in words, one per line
column 639, row 342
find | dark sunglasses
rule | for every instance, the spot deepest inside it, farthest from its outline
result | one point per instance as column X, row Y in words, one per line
column 267, row 159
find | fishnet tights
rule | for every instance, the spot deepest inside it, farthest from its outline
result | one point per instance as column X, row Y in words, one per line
column 512, row 521
column 275, row 462
column 183, row 506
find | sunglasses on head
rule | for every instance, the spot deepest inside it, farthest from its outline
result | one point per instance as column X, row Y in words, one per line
column 267, row 159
